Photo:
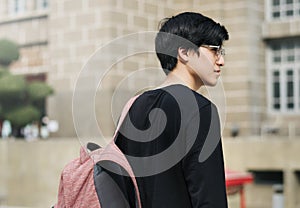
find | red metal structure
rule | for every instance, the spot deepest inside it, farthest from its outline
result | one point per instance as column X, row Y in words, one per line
column 235, row 182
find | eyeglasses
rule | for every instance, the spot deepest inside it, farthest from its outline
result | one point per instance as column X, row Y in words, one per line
column 219, row 51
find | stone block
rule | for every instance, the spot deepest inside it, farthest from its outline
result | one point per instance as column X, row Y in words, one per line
column 72, row 67
column 140, row 22
column 102, row 4
column 73, row 6
column 83, row 20
column 168, row 12
column 73, row 36
column 130, row 65
column 59, row 84
column 111, row 80
column 237, row 117
column 132, row 5
column 60, row 53
column 242, row 12
column 241, row 99
column 102, row 32
column 150, row 9
column 58, row 24
column 236, row 85
column 85, row 50
column 114, row 18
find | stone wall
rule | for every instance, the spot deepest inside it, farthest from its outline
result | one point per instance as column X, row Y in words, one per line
column 30, row 171
column 79, row 31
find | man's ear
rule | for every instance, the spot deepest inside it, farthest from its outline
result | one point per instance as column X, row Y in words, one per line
column 183, row 54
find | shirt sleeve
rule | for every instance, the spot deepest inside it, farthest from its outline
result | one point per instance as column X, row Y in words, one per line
column 203, row 166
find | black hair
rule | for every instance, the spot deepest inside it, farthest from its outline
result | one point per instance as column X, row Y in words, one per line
column 187, row 30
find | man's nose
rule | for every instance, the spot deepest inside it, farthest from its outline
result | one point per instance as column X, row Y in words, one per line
column 221, row 61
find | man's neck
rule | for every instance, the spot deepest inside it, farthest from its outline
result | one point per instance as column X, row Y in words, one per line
column 181, row 75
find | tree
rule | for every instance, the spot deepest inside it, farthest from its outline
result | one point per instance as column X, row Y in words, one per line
column 9, row 52
column 21, row 102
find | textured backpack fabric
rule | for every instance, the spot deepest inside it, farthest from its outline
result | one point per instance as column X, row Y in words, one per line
column 78, row 179
column 76, row 188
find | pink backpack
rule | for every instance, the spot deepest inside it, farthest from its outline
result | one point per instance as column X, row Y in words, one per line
column 83, row 183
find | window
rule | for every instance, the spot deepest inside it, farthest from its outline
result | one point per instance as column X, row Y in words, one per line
column 17, row 7
column 42, row 4
column 283, row 9
column 268, row 176
column 284, row 76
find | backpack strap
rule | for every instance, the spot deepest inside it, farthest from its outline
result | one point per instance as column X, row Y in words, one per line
column 123, row 115
column 112, row 153
column 124, row 160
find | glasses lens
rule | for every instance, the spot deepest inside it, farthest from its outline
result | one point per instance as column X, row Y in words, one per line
column 221, row 52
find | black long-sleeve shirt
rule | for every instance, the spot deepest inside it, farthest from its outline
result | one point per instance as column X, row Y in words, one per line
column 182, row 167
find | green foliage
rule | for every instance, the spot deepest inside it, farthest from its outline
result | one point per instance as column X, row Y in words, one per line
column 3, row 71
column 20, row 102
column 23, row 115
column 38, row 90
column 12, row 85
column 9, row 52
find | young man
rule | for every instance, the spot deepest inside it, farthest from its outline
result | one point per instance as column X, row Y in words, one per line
column 173, row 141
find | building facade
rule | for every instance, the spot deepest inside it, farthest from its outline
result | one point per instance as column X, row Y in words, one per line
column 258, row 95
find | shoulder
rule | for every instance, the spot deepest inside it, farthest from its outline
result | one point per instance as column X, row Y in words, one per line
column 178, row 100
column 176, row 92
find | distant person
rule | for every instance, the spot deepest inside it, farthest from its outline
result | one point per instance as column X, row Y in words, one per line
column 6, row 129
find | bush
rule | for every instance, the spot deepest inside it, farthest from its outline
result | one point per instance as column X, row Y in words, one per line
column 3, row 71
column 21, row 102
column 38, row 90
column 11, row 85
column 9, row 52
column 23, row 115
